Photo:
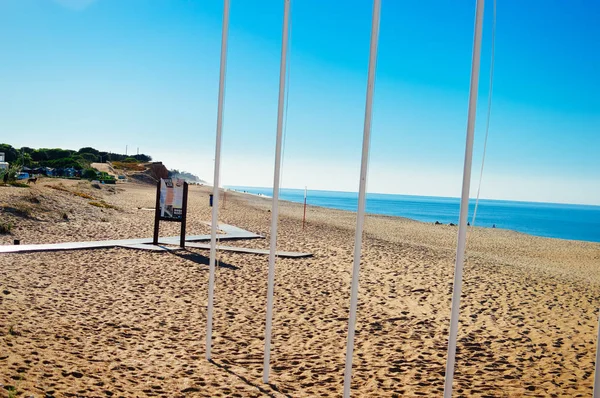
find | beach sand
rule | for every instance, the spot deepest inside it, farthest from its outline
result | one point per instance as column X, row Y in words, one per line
column 123, row 322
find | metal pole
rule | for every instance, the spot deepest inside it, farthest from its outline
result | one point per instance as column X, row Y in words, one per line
column 464, row 203
column 183, row 215
column 597, row 368
column 215, row 208
column 362, row 192
column 157, row 213
column 304, row 215
column 275, row 205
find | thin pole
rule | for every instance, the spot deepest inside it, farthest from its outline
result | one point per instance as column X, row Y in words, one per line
column 464, row 203
column 597, row 368
column 304, row 216
column 362, row 193
column 157, row 213
column 275, row 205
column 184, row 215
column 215, row 208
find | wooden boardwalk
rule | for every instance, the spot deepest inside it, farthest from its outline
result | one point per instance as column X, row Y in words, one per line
column 230, row 233
column 247, row 250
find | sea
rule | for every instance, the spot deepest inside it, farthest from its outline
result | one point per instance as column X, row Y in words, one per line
column 552, row 220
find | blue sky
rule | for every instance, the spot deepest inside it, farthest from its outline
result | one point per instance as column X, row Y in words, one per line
column 144, row 73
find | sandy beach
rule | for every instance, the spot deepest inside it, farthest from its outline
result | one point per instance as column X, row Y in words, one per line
column 131, row 323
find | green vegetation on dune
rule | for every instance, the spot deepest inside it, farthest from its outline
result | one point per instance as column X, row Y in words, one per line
column 63, row 158
column 63, row 162
column 80, row 161
column 5, row 227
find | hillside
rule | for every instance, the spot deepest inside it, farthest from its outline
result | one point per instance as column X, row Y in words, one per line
column 106, row 168
column 189, row 177
column 89, row 163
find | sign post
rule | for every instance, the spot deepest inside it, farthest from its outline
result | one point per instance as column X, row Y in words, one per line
column 156, row 214
column 171, row 205
column 183, row 215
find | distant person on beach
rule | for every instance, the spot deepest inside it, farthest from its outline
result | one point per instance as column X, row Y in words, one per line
column 494, row 226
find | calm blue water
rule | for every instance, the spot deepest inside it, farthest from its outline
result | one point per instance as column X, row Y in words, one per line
column 576, row 222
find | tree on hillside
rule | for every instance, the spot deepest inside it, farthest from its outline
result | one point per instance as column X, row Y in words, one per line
column 89, row 149
column 89, row 157
column 90, row 174
column 143, row 158
column 62, row 158
column 11, row 154
column 64, row 163
column 39, row 155
column 57, row 153
column 25, row 160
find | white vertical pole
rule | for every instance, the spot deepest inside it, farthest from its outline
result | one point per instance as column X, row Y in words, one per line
column 597, row 365
column 360, row 216
column 304, row 214
column 464, row 203
column 215, row 207
column 275, row 205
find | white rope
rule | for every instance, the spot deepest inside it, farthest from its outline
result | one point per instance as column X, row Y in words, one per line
column 287, row 94
column 489, row 110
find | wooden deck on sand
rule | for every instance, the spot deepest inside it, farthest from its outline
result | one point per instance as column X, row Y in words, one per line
column 230, row 232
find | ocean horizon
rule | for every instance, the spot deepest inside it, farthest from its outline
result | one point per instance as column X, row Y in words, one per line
column 551, row 220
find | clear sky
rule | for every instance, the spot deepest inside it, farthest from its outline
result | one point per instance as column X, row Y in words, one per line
column 144, row 73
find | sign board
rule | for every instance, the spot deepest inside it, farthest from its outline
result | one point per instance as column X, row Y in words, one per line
column 171, row 205
column 171, row 199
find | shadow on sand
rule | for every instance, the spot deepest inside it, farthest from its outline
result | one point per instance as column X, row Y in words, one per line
column 202, row 260
column 225, row 367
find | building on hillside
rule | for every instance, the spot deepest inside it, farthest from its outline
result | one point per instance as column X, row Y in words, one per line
column 3, row 165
